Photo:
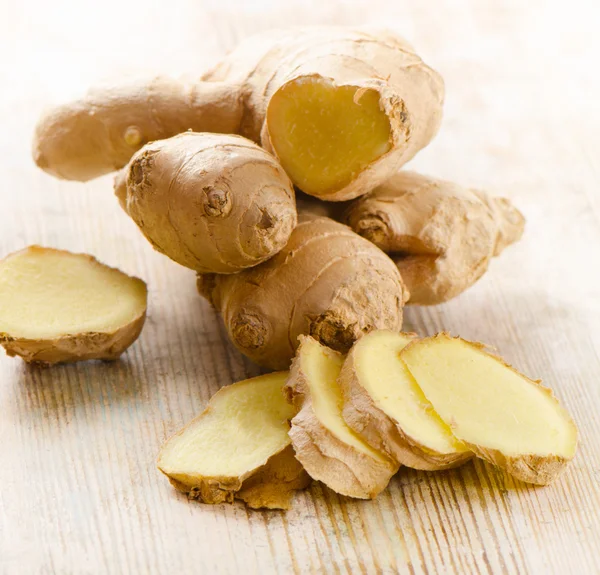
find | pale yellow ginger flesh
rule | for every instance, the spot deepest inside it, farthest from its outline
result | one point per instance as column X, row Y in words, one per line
column 322, row 369
column 394, row 390
column 59, row 306
column 501, row 415
column 242, row 432
column 324, row 135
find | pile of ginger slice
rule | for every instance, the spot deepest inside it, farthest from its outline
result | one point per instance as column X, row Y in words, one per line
column 351, row 421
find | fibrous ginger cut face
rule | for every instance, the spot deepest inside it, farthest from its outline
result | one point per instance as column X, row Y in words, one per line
column 46, row 294
column 325, row 135
column 322, row 368
column 488, row 404
column 394, row 390
column 244, row 425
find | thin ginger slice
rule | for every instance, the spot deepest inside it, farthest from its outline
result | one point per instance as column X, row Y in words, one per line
column 328, row 449
column 324, row 135
column 384, row 404
column 56, row 306
column 238, row 448
column 501, row 415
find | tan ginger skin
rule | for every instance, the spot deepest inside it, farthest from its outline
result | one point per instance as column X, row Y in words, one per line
column 211, row 202
column 327, row 282
column 100, row 132
column 442, row 236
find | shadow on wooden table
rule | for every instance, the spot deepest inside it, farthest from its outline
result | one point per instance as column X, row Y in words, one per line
column 475, row 483
column 62, row 390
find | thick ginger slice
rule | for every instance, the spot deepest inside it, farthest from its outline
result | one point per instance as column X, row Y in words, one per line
column 328, row 449
column 238, row 447
column 501, row 415
column 56, row 306
column 384, row 404
column 324, row 135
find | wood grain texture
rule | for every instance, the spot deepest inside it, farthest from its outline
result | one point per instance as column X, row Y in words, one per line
column 79, row 489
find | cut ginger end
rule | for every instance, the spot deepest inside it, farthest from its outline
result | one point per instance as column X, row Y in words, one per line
column 504, row 417
column 56, row 306
column 238, row 447
column 325, row 135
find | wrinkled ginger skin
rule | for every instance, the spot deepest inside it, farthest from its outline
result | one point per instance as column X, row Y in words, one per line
column 327, row 282
column 441, row 236
column 100, row 132
column 211, row 202
column 272, row 486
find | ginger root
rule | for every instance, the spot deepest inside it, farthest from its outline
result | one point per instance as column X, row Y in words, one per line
column 327, row 282
column 211, row 202
column 384, row 404
column 238, row 448
column 441, row 236
column 328, row 449
column 342, row 109
column 56, row 306
column 498, row 413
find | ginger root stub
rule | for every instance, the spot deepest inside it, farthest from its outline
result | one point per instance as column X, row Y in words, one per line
column 341, row 108
column 211, row 202
column 442, row 236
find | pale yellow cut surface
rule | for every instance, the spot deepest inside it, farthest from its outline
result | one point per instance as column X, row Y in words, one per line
column 487, row 403
column 243, row 426
column 322, row 370
column 389, row 383
column 47, row 293
column 324, row 134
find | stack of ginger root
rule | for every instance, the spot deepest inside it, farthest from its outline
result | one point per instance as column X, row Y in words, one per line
column 209, row 170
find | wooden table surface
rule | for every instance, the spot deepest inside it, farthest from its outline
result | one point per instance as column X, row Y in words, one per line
column 79, row 492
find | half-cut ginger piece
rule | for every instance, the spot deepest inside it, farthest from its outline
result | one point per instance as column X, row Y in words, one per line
column 384, row 404
column 501, row 415
column 56, row 306
column 328, row 449
column 238, row 447
column 325, row 135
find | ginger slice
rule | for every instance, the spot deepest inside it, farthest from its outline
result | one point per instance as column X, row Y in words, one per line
column 56, row 306
column 324, row 135
column 328, row 449
column 501, row 415
column 384, row 404
column 238, row 447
